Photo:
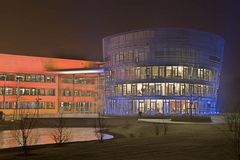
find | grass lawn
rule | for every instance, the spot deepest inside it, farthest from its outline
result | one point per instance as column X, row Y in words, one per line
column 138, row 140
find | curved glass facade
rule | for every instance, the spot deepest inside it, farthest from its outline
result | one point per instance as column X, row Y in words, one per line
column 162, row 70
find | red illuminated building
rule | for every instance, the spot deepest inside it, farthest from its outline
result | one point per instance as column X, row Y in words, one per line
column 50, row 84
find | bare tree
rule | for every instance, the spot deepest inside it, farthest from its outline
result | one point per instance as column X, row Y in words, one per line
column 233, row 122
column 99, row 127
column 23, row 129
column 157, row 129
column 165, row 125
column 26, row 119
column 61, row 134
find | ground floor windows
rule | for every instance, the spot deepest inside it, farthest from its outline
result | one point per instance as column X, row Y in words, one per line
column 162, row 89
column 82, row 107
column 27, row 105
column 164, row 106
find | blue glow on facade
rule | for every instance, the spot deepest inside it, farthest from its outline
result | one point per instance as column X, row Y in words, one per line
column 162, row 70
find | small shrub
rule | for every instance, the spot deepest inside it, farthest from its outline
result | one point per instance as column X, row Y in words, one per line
column 157, row 129
column 156, row 116
column 127, row 123
column 131, row 135
column 1, row 116
column 140, row 134
column 165, row 129
column 191, row 118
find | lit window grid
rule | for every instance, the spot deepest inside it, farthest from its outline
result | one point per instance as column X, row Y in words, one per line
column 163, row 106
column 161, row 89
column 155, row 72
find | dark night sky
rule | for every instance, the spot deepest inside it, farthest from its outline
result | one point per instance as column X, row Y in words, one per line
column 74, row 29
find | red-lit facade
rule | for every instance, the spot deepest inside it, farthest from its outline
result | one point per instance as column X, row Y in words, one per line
column 36, row 82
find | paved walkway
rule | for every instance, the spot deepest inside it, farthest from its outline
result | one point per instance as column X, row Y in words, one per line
column 67, row 115
column 70, row 115
column 214, row 121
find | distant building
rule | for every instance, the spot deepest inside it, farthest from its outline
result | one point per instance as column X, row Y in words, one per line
column 162, row 70
column 50, row 84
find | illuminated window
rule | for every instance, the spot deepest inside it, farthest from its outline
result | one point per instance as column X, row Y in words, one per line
column 138, row 73
column 163, row 89
column 50, row 79
column 66, row 92
column 194, row 73
column 128, row 89
column 33, row 78
column 187, row 89
column 169, row 71
column 195, row 90
column 116, row 90
column 160, row 106
column 136, row 57
column 124, row 89
column 161, row 71
column 27, row 91
column 170, row 88
column 147, row 104
column 119, row 90
column 28, row 78
column 9, row 91
column 49, row 105
column 206, row 74
column 1, row 91
column 200, row 73
column 39, row 78
column 151, row 89
column 158, row 88
column 121, row 57
column 180, row 71
column 33, row 91
column 20, row 77
column 176, row 90
column 134, row 89
column 139, row 89
column 200, row 90
column 148, row 72
column 186, row 73
column 175, row 71
column 155, row 72
column 145, row 89
column 182, row 89
column 143, row 72
column 51, row 92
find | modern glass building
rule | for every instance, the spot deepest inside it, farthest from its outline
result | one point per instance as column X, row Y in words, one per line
column 162, row 70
